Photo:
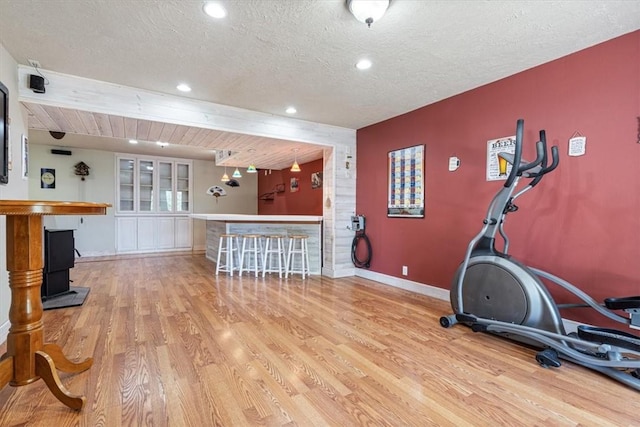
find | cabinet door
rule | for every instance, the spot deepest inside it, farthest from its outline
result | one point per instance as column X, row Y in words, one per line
column 145, row 185
column 183, row 187
column 165, row 233
column 183, row 233
column 165, row 187
column 126, row 188
column 127, row 233
column 146, row 233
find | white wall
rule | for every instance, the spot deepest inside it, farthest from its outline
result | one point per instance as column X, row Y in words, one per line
column 94, row 234
column 17, row 187
column 239, row 200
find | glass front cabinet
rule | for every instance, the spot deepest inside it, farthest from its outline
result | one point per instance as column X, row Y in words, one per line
column 154, row 198
column 153, row 185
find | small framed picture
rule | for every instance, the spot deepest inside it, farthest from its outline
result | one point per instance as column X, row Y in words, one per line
column 295, row 186
column 47, row 178
column 316, row 180
column 25, row 157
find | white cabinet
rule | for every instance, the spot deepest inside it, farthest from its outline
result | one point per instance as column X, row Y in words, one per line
column 183, row 187
column 146, row 181
column 153, row 185
column 127, row 233
column 153, row 233
column 125, row 187
column 146, row 232
column 154, row 194
column 165, row 187
column 183, row 233
column 165, row 233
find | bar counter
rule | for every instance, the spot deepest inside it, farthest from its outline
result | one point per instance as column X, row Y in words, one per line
column 284, row 225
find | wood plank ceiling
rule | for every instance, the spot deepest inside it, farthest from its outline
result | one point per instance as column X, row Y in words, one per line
column 264, row 153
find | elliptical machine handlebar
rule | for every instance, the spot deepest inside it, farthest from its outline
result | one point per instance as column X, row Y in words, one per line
column 539, row 165
column 517, row 168
column 555, row 160
column 517, row 155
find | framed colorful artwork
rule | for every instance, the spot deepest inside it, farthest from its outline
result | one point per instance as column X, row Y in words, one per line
column 406, row 182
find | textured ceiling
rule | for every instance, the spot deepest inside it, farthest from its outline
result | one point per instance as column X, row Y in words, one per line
column 267, row 55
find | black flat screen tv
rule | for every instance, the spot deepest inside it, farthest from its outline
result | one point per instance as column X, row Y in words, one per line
column 4, row 134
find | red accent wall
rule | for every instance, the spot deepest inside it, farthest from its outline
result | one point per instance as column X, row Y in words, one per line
column 305, row 201
column 582, row 222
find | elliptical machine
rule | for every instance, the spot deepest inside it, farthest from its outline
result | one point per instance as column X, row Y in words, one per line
column 493, row 292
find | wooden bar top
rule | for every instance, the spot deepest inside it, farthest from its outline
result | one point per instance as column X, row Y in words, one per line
column 41, row 207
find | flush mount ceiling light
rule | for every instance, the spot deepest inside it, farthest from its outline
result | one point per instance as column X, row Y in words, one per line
column 133, row 141
column 214, row 9
column 295, row 167
column 291, row 110
column 363, row 64
column 182, row 87
column 368, row 11
column 162, row 144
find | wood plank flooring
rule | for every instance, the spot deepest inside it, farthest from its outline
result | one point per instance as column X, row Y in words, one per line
column 174, row 346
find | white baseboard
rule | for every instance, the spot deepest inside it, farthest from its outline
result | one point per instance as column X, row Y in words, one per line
column 408, row 285
column 4, row 331
column 335, row 274
column 433, row 291
column 97, row 253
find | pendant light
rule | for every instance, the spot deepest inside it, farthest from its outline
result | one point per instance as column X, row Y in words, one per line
column 295, row 167
column 236, row 174
column 225, row 177
column 252, row 167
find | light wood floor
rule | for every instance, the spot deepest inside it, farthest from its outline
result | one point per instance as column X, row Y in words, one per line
column 173, row 346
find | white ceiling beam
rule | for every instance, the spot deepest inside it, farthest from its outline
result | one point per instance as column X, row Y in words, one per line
column 84, row 94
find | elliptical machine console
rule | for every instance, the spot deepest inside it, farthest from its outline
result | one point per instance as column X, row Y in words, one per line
column 493, row 292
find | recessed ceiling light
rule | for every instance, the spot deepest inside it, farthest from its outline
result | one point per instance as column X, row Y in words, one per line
column 183, row 87
column 214, row 9
column 291, row 110
column 363, row 64
column 133, row 141
column 162, row 144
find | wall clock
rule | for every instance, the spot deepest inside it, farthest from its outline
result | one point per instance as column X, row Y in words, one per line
column 47, row 178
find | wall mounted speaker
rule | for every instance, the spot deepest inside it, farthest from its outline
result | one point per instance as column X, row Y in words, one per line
column 36, row 83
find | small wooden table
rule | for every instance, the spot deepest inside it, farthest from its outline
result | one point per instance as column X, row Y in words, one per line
column 28, row 358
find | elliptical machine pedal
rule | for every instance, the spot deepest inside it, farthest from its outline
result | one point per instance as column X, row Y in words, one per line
column 548, row 358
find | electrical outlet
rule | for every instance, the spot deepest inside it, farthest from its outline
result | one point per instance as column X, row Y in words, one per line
column 405, row 270
column 34, row 63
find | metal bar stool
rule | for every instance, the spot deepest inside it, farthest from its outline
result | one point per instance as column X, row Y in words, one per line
column 252, row 246
column 298, row 245
column 229, row 246
column 274, row 246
